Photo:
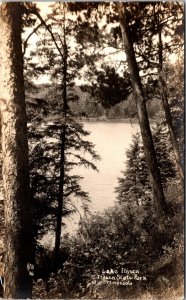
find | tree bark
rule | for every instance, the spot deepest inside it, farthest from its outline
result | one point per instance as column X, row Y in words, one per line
column 166, row 107
column 150, row 154
column 60, row 201
column 17, row 204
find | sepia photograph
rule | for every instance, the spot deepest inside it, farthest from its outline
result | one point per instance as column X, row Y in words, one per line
column 92, row 150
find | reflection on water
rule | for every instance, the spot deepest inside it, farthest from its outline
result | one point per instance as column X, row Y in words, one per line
column 111, row 142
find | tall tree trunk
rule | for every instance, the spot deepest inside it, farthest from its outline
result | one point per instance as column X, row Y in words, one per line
column 150, row 154
column 15, row 156
column 60, row 200
column 166, row 107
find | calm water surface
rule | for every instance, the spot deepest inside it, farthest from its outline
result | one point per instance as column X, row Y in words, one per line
column 111, row 142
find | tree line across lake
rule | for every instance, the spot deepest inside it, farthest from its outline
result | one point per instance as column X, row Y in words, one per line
column 88, row 108
column 43, row 140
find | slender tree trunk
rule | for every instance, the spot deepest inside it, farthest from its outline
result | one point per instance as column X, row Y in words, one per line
column 148, row 144
column 166, row 107
column 15, row 156
column 60, row 201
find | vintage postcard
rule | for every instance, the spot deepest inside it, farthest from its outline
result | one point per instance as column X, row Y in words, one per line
column 92, row 150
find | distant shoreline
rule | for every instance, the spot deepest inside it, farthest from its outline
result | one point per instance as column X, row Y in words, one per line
column 107, row 120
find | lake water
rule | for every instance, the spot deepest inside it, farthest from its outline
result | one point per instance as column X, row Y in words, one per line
column 111, row 140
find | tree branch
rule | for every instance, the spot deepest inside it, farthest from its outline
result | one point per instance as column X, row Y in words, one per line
column 29, row 36
column 33, row 10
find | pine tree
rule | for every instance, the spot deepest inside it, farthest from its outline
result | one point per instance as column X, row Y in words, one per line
column 136, row 30
column 59, row 144
column 18, row 241
column 139, row 95
column 134, row 186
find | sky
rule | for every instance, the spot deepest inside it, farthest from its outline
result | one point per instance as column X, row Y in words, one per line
column 44, row 7
column 109, row 57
